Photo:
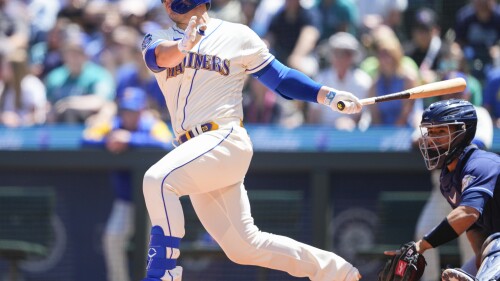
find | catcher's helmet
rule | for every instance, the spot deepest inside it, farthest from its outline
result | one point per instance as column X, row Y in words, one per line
column 441, row 147
column 184, row 6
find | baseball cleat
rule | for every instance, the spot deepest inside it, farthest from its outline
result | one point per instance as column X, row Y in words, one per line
column 456, row 274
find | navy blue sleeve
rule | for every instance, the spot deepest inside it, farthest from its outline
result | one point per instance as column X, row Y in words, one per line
column 478, row 181
column 288, row 82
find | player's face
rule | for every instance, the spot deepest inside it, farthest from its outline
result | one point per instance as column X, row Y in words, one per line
column 437, row 141
column 440, row 135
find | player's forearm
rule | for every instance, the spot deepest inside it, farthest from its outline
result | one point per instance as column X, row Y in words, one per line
column 168, row 55
column 462, row 217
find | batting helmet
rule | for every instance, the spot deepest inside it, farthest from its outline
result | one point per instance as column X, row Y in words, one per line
column 184, row 6
column 441, row 147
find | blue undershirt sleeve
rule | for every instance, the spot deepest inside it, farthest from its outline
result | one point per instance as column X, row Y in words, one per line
column 288, row 82
column 150, row 58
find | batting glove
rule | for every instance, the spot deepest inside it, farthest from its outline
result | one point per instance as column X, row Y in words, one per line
column 343, row 102
column 192, row 35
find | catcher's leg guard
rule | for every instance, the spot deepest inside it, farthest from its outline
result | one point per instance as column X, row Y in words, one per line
column 158, row 262
column 456, row 274
column 490, row 259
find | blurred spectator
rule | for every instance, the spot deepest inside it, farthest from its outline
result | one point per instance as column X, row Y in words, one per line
column 23, row 100
column 131, row 128
column 43, row 15
column 447, row 11
column 14, row 25
column 94, row 15
column 133, row 72
column 492, row 95
column 393, row 77
column 344, row 52
column 105, row 53
column 73, row 11
column 260, row 105
column 453, row 60
column 477, row 31
column 371, row 63
column 292, row 36
column 133, row 13
column 228, row 10
column 79, row 88
column 47, row 55
column 266, row 9
column 248, row 8
column 374, row 13
column 338, row 15
column 426, row 47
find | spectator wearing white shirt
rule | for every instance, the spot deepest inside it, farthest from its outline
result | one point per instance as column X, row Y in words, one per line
column 344, row 53
column 23, row 100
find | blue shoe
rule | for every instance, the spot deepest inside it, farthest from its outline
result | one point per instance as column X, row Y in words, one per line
column 151, row 279
column 456, row 274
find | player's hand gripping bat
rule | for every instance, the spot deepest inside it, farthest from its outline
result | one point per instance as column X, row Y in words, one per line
column 440, row 88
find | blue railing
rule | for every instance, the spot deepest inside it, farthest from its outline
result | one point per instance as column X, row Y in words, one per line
column 264, row 138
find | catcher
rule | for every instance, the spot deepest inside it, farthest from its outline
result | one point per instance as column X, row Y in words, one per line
column 470, row 182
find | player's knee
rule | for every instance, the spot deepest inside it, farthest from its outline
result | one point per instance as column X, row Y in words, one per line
column 248, row 250
column 238, row 256
column 151, row 180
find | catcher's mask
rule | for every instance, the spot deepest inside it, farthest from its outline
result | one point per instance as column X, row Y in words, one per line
column 184, row 6
column 447, row 127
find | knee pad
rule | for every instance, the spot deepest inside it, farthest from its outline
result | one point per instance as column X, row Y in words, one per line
column 490, row 259
column 158, row 263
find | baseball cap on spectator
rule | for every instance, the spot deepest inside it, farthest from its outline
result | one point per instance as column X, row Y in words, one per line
column 132, row 8
column 345, row 41
column 133, row 99
column 425, row 19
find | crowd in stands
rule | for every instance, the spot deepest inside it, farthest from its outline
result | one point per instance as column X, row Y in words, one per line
column 70, row 61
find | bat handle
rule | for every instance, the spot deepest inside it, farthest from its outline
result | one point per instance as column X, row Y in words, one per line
column 342, row 105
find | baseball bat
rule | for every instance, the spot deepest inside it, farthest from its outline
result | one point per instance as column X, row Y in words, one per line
column 433, row 89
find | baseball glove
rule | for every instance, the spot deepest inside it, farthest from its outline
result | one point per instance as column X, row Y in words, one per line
column 406, row 265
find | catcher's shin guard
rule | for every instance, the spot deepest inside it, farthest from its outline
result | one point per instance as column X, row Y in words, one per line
column 456, row 274
column 158, row 263
column 490, row 259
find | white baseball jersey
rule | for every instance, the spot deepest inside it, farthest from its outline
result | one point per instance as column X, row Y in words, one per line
column 208, row 84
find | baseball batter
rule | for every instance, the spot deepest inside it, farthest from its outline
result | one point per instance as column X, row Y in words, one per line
column 200, row 64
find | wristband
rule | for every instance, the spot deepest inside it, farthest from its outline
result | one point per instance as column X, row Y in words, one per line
column 441, row 234
column 329, row 98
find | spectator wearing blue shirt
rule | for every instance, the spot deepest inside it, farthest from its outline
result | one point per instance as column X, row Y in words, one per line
column 79, row 88
column 491, row 95
column 477, row 31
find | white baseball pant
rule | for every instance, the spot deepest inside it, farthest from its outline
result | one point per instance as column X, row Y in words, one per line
column 210, row 168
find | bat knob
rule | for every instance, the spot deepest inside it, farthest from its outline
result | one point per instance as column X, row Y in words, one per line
column 340, row 106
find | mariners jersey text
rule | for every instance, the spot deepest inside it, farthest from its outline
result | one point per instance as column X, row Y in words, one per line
column 199, row 61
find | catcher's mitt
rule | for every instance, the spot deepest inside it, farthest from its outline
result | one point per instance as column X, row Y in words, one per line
column 406, row 265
